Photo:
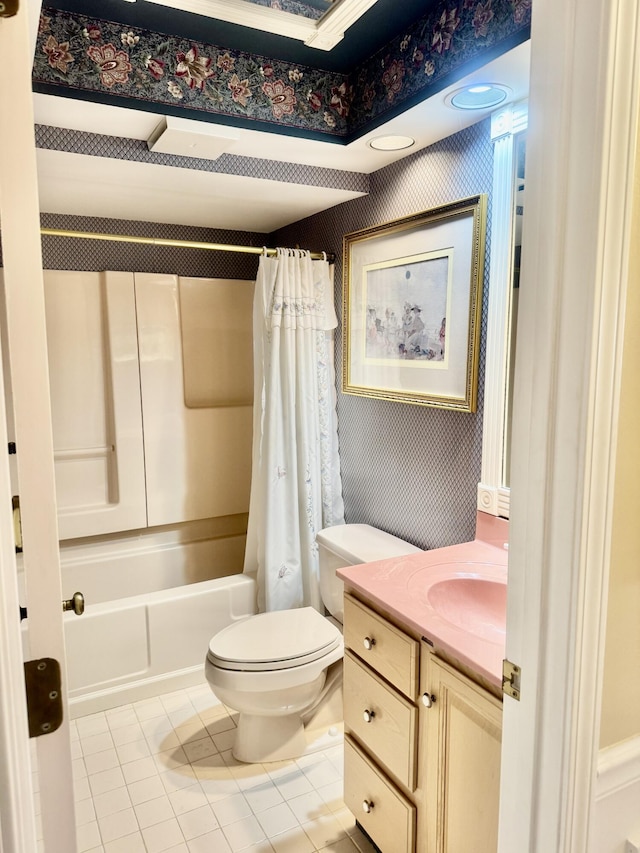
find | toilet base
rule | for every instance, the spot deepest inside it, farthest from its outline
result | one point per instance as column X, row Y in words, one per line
column 286, row 740
column 260, row 739
column 281, row 738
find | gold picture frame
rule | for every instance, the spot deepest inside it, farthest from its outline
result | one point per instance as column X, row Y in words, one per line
column 412, row 306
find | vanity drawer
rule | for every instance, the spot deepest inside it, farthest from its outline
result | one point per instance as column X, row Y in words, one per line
column 391, row 818
column 391, row 730
column 381, row 645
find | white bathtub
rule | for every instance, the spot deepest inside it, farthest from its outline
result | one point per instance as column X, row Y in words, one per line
column 137, row 647
column 153, row 600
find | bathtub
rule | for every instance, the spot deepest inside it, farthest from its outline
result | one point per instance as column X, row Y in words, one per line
column 153, row 600
column 133, row 648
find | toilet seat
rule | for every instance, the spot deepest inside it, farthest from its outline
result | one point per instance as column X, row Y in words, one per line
column 280, row 639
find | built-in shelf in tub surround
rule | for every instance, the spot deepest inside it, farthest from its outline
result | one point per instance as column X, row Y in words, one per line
column 455, row 597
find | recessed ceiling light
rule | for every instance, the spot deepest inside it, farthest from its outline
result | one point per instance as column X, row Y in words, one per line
column 391, row 143
column 478, row 96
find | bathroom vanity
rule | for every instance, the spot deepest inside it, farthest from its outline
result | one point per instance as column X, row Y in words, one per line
column 423, row 717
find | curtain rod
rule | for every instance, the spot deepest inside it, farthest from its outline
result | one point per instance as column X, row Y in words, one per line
column 184, row 244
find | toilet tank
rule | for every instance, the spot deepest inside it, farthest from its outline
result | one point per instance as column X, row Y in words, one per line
column 349, row 545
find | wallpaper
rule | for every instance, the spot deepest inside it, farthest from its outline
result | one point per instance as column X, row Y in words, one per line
column 410, row 470
column 122, row 148
column 104, row 60
column 62, row 253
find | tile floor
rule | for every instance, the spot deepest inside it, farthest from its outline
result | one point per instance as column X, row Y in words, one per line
column 158, row 775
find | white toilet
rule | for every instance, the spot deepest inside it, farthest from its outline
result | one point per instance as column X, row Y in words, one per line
column 283, row 670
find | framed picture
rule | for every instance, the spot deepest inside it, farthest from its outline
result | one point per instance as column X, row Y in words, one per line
column 412, row 306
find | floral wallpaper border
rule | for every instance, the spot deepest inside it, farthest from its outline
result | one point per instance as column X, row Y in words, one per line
column 106, row 59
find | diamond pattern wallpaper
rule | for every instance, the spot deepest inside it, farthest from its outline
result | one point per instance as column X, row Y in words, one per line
column 121, row 148
column 61, row 253
column 410, row 470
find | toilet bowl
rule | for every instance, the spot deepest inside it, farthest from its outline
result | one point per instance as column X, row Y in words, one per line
column 282, row 670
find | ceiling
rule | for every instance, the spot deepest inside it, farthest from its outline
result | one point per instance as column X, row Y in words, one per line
column 110, row 182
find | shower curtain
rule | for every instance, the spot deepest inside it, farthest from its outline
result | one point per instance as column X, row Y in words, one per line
column 295, row 488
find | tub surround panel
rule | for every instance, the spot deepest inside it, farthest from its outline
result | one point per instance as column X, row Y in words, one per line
column 197, row 460
column 95, row 402
column 192, row 459
column 409, row 470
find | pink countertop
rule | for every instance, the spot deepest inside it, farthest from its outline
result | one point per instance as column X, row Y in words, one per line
column 455, row 597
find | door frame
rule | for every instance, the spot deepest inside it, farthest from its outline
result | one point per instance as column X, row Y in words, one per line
column 30, row 412
column 581, row 148
column 581, row 145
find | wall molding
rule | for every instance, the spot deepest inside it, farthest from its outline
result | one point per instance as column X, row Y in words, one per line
column 615, row 816
column 493, row 497
column 618, row 768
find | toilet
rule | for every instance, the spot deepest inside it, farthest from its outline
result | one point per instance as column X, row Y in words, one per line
column 282, row 670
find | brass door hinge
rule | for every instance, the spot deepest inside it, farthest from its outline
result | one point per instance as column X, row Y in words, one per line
column 9, row 8
column 511, row 679
column 44, row 696
column 17, row 523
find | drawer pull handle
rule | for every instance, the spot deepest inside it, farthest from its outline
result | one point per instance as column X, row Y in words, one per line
column 368, row 715
column 428, row 699
column 369, row 643
column 367, row 806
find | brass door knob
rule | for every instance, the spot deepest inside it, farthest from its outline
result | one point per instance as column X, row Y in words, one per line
column 76, row 604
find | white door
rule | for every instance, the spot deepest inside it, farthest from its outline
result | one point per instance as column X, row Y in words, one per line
column 30, row 409
column 581, row 145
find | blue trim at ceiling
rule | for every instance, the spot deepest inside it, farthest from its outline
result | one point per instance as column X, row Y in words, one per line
column 108, row 62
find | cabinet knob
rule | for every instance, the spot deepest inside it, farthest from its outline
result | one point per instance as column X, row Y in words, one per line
column 369, row 643
column 367, row 806
column 368, row 715
column 428, row 699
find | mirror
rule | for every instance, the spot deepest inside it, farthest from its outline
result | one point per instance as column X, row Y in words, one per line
column 518, row 212
column 508, row 128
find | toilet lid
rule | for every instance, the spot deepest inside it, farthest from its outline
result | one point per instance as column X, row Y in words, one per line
column 276, row 640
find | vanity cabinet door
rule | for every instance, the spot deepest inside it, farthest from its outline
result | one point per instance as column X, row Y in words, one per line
column 460, row 744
